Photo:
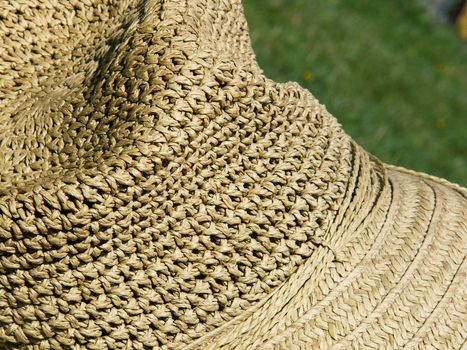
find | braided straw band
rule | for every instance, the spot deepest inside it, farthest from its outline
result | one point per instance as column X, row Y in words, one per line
column 157, row 191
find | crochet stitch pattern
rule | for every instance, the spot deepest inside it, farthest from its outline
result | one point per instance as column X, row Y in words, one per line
column 157, row 191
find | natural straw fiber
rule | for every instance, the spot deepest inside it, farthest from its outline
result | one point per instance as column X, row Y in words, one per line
column 158, row 192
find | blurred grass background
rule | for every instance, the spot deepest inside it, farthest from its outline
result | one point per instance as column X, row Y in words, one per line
column 393, row 77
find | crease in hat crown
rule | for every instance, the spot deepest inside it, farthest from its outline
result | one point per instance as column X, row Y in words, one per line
column 157, row 191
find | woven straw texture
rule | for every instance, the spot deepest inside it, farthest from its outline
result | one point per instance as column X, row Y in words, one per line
column 157, row 191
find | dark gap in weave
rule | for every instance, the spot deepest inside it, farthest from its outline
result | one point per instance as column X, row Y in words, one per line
column 382, row 178
column 353, row 168
column 319, row 221
column 378, row 168
column 391, row 191
column 219, row 210
column 215, row 240
column 357, row 182
column 201, row 276
column 377, row 198
column 250, row 212
column 104, row 332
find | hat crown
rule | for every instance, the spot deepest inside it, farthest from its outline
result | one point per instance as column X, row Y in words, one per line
column 69, row 44
column 176, row 160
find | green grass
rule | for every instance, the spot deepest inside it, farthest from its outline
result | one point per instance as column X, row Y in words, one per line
column 395, row 79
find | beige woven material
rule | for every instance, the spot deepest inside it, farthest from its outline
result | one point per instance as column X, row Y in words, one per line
column 157, row 191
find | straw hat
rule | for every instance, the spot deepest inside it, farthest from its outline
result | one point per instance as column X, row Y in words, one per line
column 157, row 191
